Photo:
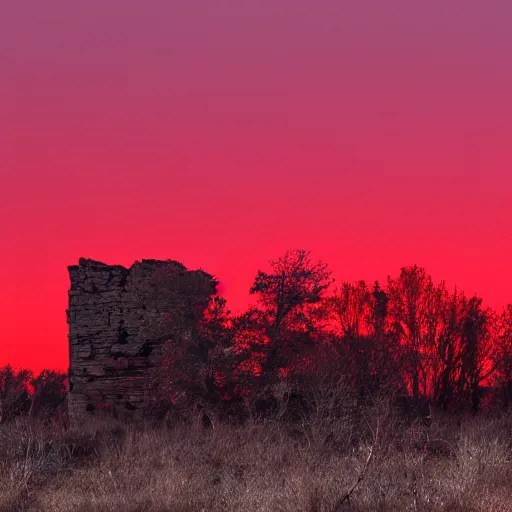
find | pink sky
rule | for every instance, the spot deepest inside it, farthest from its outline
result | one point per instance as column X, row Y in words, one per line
column 377, row 134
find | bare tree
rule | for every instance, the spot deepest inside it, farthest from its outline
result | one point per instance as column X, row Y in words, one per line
column 503, row 355
column 477, row 350
column 447, row 361
column 14, row 392
column 415, row 304
column 351, row 307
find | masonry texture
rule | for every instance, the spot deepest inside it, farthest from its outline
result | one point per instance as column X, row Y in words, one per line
column 116, row 329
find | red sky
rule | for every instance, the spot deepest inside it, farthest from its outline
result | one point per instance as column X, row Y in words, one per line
column 221, row 133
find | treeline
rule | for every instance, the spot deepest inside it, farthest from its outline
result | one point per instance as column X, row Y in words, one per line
column 409, row 338
column 39, row 396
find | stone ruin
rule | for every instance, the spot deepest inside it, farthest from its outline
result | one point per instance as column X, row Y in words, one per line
column 114, row 339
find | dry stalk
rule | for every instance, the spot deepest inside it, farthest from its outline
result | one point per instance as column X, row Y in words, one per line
column 346, row 497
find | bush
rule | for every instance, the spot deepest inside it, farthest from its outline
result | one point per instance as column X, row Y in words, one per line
column 266, row 465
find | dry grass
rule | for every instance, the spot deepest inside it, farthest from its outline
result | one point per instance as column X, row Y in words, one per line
column 461, row 466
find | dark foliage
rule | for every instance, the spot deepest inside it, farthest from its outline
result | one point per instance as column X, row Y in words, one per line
column 411, row 339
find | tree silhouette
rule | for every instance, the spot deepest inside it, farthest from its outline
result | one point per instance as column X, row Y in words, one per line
column 48, row 392
column 477, row 351
column 449, row 350
column 414, row 306
column 294, row 282
column 14, row 392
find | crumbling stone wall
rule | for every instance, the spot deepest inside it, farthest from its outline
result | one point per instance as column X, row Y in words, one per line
column 113, row 319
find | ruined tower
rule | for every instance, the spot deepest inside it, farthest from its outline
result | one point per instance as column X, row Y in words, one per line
column 114, row 338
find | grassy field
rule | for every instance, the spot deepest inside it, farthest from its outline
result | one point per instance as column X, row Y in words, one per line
column 454, row 464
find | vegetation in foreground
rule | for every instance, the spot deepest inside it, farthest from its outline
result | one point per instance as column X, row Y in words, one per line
column 373, row 460
column 369, row 399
